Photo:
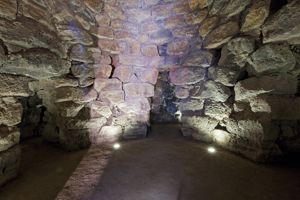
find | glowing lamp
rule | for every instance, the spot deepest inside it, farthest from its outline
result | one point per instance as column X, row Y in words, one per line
column 211, row 150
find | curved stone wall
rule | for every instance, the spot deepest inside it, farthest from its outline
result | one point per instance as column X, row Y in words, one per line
column 229, row 70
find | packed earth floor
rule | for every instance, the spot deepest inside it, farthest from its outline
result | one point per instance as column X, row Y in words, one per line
column 164, row 166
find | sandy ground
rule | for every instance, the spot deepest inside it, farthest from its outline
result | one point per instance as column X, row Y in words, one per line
column 44, row 171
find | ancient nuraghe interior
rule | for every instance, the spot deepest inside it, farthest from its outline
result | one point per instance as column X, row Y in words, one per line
column 82, row 73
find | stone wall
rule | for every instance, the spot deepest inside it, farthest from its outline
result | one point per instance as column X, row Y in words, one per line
column 250, row 94
column 87, row 71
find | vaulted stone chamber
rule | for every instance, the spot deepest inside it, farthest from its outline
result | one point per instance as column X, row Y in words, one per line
column 79, row 72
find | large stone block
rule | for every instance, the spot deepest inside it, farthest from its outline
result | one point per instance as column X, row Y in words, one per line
column 38, row 64
column 194, row 4
column 81, row 123
column 9, row 164
column 94, row 5
column 181, row 92
column 82, row 71
column 72, row 33
column 201, row 127
column 21, row 33
column 78, row 95
column 217, row 110
column 278, row 84
column 253, row 139
column 256, row 15
column 201, row 58
column 221, row 35
column 10, row 111
column 100, row 109
column 187, row 75
column 161, row 37
column 228, row 8
column 81, row 53
column 214, row 91
column 102, row 84
column 123, row 73
column 103, row 71
column 149, row 50
column 9, row 137
column 284, row 107
column 12, row 85
column 8, row 9
column 208, row 25
column 68, row 108
column 224, row 75
column 191, row 105
column 112, row 96
column 237, row 51
column 234, row 7
column 138, row 90
column 178, row 47
column 147, row 75
column 134, row 105
column 130, row 60
column 272, row 58
column 284, row 25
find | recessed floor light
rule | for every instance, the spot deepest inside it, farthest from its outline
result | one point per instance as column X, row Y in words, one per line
column 116, row 146
column 211, row 150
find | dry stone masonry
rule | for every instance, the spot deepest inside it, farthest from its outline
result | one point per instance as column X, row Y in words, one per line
column 79, row 72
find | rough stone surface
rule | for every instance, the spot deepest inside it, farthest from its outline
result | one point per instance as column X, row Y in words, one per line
column 221, row 35
column 37, row 64
column 282, row 84
column 187, row 75
column 139, row 89
column 223, row 75
column 201, row 126
column 272, row 58
column 256, row 15
column 214, row 91
column 10, row 111
column 201, row 58
column 9, row 164
column 13, row 85
column 8, row 9
column 237, row 51
column 284, row 25
column 208, row 25
column 78, row 95
column 102, row 66
column 9, row 137
column 191, row 105
column 217, row 111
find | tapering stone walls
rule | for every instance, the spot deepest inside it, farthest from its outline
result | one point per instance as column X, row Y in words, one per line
column 144, row 37
column 91, row 71
column 250, row 93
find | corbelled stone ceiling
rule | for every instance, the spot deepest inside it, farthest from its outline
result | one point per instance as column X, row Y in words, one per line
column 82, row 72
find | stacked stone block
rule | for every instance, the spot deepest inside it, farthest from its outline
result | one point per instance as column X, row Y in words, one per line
column 245, row 92
column 229, row 69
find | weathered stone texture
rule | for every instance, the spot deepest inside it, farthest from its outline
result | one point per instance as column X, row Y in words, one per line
column 272, row 58
column 9, row 164
column 284, row 25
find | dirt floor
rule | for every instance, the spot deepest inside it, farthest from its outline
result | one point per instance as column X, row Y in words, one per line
column 169, row 167
column 44, row 171
column 164, row 166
